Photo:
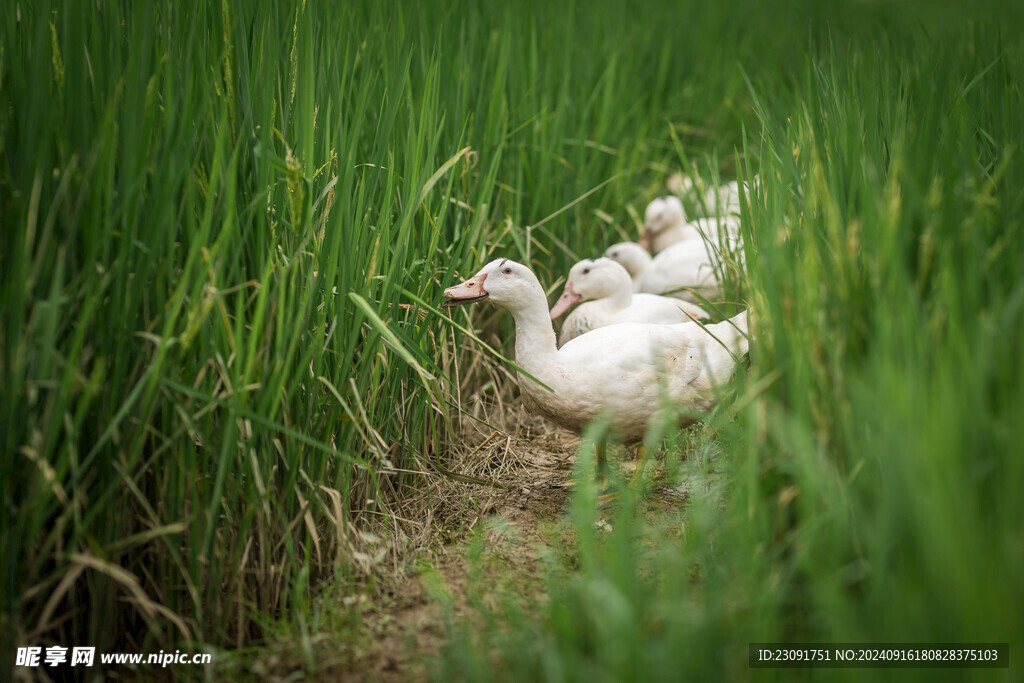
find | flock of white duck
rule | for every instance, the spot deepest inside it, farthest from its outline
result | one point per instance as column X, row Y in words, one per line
column 633, row 340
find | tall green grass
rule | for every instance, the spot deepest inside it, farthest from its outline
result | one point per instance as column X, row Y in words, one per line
column 867, row 481
column 224, row 229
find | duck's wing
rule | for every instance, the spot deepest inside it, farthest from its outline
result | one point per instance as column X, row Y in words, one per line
column 702, row 357
column 660, row 310
column 684, row 265
column 688, row 309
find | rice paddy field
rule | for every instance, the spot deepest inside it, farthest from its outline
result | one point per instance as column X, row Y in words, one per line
column 234, row 420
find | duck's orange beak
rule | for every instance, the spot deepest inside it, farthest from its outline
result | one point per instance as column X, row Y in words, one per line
column 470, row 291
column 568, row 298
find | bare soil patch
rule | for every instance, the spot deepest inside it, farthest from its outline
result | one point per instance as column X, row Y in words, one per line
column 534, row 460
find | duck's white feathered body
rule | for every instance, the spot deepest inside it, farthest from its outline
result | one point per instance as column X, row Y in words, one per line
column 623, row 371
column 666, row 224
column 701, row 228
column 645, row 308
column 606, row 291
column 679, row 271
column 620, row 371
column 725, row 200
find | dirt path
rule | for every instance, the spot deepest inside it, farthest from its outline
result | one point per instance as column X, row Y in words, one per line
column 401, row 627
column 410, row 630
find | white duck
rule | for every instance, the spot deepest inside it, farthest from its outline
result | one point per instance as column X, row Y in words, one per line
column 606, row 291
column 725, row 200
column 665, row 224
column 620, row 371
column 679, row 271
column 720, row 200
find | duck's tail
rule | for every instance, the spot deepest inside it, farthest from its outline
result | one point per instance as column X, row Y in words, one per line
column 723, row 349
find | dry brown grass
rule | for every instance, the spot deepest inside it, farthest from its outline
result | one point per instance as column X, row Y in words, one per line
column 407, row 550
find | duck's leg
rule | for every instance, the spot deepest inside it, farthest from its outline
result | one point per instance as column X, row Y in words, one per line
column 600, row 467
column 605, row 496
column 641, row 452
column 600, row 462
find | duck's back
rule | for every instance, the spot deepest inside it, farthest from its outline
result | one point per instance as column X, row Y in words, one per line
column 688, row 264
column 644, row 308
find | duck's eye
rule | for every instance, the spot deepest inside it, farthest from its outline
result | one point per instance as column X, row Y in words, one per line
column 507, row 271
column 586, row 270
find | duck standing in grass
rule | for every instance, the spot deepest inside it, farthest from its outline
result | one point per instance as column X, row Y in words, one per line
column 622, row 372
column 606, row 291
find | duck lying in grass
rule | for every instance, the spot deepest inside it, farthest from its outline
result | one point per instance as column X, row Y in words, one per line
column 681, row 271
column 623, row 372
column 665, row 224
column 606, row 291
column 715, row 200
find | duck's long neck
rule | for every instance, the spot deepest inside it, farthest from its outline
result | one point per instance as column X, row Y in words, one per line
column 641, row 265
column 622, row 297
column 535, row 336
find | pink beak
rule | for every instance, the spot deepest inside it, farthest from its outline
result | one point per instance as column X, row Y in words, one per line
column 466, row 293
column 565, row 301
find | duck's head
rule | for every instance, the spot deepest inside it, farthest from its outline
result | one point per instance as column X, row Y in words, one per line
column 507, row 283
column 630, row 256
column 589, row 280
column 662, row 213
